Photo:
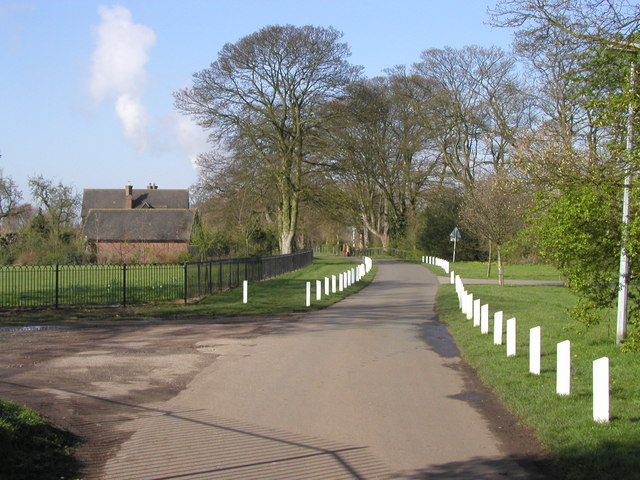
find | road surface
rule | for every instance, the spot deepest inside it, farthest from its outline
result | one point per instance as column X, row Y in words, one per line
column 371, row 388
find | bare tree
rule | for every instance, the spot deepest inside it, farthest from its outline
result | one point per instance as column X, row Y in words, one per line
column 59, row 202
column 10, row 197
column 380, row 155
column 267, row 91
column 494, row 209
column 479, row 106
column 614, row 23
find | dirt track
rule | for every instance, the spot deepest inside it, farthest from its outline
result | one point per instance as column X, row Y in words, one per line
column 129, row 387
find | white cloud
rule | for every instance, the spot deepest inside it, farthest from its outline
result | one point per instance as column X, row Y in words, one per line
column 118, row 69
column 191, row 137
column 134, row 119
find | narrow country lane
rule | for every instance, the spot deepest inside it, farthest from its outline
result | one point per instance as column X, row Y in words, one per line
column 370, row 388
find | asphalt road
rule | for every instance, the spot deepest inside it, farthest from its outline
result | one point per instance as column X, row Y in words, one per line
column 371, row 388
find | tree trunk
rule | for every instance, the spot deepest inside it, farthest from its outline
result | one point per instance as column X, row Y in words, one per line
column 287, row 219
column 500, row 267
column 489, row 266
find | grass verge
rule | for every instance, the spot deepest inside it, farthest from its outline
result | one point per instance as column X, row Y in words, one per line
column 582, row 448
column 282, row 295
column 512, row 271
column 31, row 448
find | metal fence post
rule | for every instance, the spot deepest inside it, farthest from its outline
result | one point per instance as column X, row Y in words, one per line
column 124, row 284
column 186, row 291
column 57, row 285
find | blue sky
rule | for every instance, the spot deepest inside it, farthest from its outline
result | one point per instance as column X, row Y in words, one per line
column 86, row 86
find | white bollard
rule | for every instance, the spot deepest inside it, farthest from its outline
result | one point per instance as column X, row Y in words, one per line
column 333, row 284
column 470, row 306
column 245, row 288
column 534, row 350
column 563, row 368
column 308, row 302
column 318, row 290
column 484, row 318
column 341, row 285
column 601, row 390
column 511, row 337
column 476, row 312
column 326, row 286
column 497, row 328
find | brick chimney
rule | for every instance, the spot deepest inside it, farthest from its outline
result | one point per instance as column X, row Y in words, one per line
column 128, row 195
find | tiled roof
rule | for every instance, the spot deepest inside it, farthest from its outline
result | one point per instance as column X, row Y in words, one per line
column 94, row 198
column 139, row 225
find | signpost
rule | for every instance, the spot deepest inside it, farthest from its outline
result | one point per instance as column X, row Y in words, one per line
column 454, row 236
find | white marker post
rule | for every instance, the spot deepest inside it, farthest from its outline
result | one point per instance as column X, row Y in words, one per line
column 476, row 312
column 469, row 301
column 534, row 350
column 308, row 302
column 452, row 278
column 484, row 318
column 245, row 288
column 326, row 286
column 333, row 284
column 497, row 328
column 511, row 337
column 341, row 286
column 601, row 390
column 318, row 290
column 563, row 368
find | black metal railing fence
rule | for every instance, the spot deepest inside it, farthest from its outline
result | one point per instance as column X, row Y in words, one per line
column 75, row 285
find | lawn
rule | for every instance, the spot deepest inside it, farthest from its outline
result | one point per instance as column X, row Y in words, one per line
column 583, row 448
column 512, row 271
column 31, row 448
column 282, row 295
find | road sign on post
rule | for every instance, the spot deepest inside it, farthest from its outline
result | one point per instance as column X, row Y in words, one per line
column 454, row 236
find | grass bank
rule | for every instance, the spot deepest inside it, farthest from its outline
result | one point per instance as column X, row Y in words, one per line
column 582, row 448
column 282, row 295
column 512, row 271
column 31, row 448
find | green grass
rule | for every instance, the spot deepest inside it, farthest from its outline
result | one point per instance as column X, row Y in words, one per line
column 583, row 448
column 31, row 448
column 89, row 284
column 278, row 296
column 512, row 271
column 283, row 295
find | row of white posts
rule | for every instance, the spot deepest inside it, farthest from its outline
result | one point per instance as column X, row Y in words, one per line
column 473, row 309
column 339, row 282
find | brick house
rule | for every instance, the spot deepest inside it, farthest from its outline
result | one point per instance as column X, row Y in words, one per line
column 137, row 225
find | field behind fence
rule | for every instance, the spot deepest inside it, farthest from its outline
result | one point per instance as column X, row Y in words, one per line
column 58, row 285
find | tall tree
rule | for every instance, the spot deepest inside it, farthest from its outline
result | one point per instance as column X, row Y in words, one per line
column 481, row 106
column 10, row 196
column 603, row 35
column 59, row 202
column 266, row 92
column 495, row 209
column 379, row 151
